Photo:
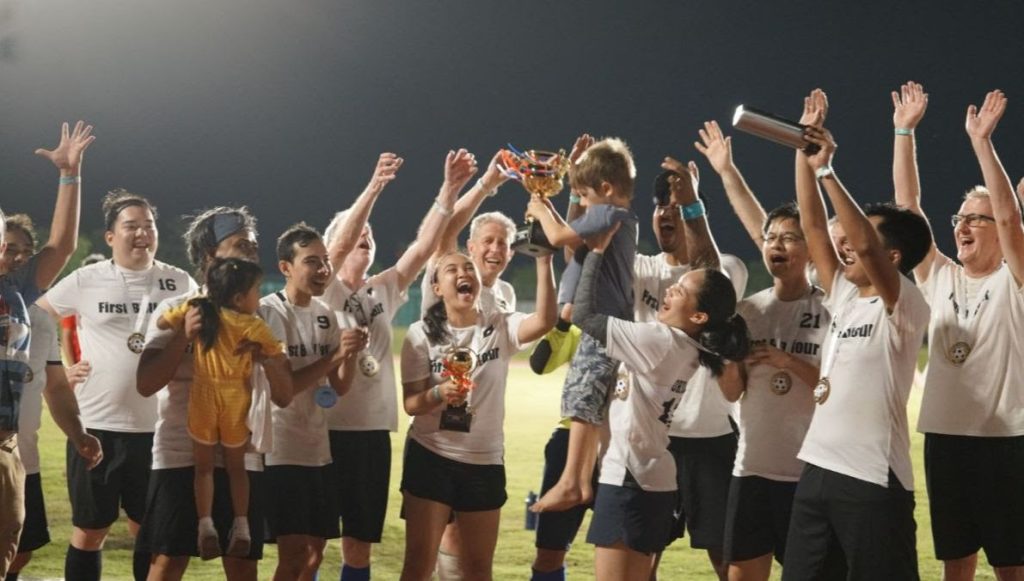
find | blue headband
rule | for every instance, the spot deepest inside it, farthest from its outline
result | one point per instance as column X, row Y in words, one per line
column 225, row 225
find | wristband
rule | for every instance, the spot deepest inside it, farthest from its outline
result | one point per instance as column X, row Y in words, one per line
column 447, row 213
column 692, row 211
column 574, row 199
column 489, row 193
column 436, row 391
column 70, row 180
column 904, row 131
column 823, row 172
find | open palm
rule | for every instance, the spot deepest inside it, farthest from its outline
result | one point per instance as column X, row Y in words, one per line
column 67, row 156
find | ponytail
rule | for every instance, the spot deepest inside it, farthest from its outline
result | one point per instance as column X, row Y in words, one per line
column 728, row 339
column 436, row 319
column 209, row 321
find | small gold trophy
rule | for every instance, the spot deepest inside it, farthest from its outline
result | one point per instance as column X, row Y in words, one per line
column 458, row 363
column 541, row 173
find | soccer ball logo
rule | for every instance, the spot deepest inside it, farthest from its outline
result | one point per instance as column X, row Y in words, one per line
column 958, row 353
column 781, row 383
column 622, row 385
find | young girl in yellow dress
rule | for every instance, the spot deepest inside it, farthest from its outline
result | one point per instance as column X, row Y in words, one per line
column 220, row 396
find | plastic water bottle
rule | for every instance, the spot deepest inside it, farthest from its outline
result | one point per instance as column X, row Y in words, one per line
column 531, row 517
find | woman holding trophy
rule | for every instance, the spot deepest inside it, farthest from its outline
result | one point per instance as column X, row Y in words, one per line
column 454, row 371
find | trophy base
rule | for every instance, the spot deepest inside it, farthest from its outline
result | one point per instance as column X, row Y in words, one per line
column 531, row 241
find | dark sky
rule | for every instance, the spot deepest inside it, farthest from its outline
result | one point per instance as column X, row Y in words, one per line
column 285, row 105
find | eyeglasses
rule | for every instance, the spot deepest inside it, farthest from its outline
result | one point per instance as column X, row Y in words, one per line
column 787, row 238
column 972, row 220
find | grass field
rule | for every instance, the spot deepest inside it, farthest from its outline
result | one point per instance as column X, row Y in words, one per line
column 532, row 405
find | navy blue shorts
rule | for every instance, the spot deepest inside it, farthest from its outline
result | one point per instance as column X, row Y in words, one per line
column 301, row 501
column 638, row 519
column 464, row 487
column 362, row 471
column 757, row 518
column 703, row 473
column 119, row 481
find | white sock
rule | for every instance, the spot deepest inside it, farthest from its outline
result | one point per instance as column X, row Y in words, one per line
column 206, row 526
column 241, row 527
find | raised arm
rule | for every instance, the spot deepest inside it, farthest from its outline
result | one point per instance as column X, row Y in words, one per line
column 813, row 219
column 545, row 313
column 718, row 150
column 860, row 233
column 347, row 237
column 459, row 166
column 981, row 123
column 909, row 106
column 558, row 232
column 63, row 240
column 467, row 206
column 584, row 312
column 700, row 245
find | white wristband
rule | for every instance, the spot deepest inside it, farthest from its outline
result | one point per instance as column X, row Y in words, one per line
column 823, row 172
column 489, row 193
column 446, row 212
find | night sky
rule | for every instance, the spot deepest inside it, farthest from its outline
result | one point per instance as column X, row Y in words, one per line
column 284, row 106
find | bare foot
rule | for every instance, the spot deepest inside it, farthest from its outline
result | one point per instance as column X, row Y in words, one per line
column 562, row 497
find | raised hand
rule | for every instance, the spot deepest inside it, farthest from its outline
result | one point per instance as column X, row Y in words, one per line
column 67, row 156
column 909, row 105
column 385, row 171
column 715, row 146
column 981, row 123
column 583, row 142
column 538, row 206
column 459, row 166
column 494, row 176
column 827, row 144
column 815, row 109
column 683, row 187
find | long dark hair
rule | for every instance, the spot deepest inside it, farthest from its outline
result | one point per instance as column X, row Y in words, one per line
column 225, row 278
column 725, row 335
column 436, row 317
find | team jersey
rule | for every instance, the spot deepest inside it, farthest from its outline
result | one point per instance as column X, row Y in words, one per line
column 107, row 300
column 172, row 446
column 658, row 361
column 869, row 357
column 495, row 339
column 44, row 352
column 310, row 333
column 775, row 410
column 982, row 394
column 372, row 401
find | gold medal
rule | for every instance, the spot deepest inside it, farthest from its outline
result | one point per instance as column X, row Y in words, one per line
column 781, row 383
column 822, row 391
column 958, row 352
column 136, row 341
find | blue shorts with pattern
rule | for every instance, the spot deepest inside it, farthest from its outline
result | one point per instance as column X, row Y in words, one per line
column 592, row 376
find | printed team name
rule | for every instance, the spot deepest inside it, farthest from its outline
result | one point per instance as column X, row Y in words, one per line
column 123, row 309
column 302, row 351
column 437, row 365
column 861, row 331
column 650, row 300
column 796, row 347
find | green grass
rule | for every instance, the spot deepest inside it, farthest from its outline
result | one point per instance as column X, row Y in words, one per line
column 532, row 411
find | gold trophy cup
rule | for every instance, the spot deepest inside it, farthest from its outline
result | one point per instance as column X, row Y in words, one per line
column 458, row 363
column 541, row 173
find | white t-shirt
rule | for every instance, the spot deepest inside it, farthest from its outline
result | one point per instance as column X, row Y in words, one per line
column 43, row 352
column 310, row 333
column 106, row 299
column 659, row 360
column 861, row 429
column 773, row 423
column 703, row 411
column 372, row 402
column 172, row 446
column 501, row 296
column 495, row 339
column 985, row 395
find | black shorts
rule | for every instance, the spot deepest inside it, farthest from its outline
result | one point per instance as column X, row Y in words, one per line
column 556, row 530
column 119, row 481
column 703, row 472
column 639, row 519
column 170, row 524
column 464, row 487
column 976, row 497
column 300, row 501
column 837, row 517
column 757, row 518
column 35, row 533
column 362, row 470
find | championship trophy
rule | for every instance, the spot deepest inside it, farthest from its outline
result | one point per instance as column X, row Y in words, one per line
column 458, row 363
column 541, row 173
column 773, row 128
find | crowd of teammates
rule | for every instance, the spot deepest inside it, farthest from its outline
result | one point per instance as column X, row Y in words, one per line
column 770, row 429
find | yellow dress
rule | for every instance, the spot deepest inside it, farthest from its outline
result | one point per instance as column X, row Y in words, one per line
column 220, row 396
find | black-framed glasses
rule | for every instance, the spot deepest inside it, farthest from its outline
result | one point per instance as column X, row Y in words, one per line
column 972, row 220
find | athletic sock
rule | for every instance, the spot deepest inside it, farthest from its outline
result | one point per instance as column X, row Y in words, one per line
column 349, row 573
column 83, row 565
column 206, row 526
column 556, row 575
column 240, row 528
column 140, row 564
